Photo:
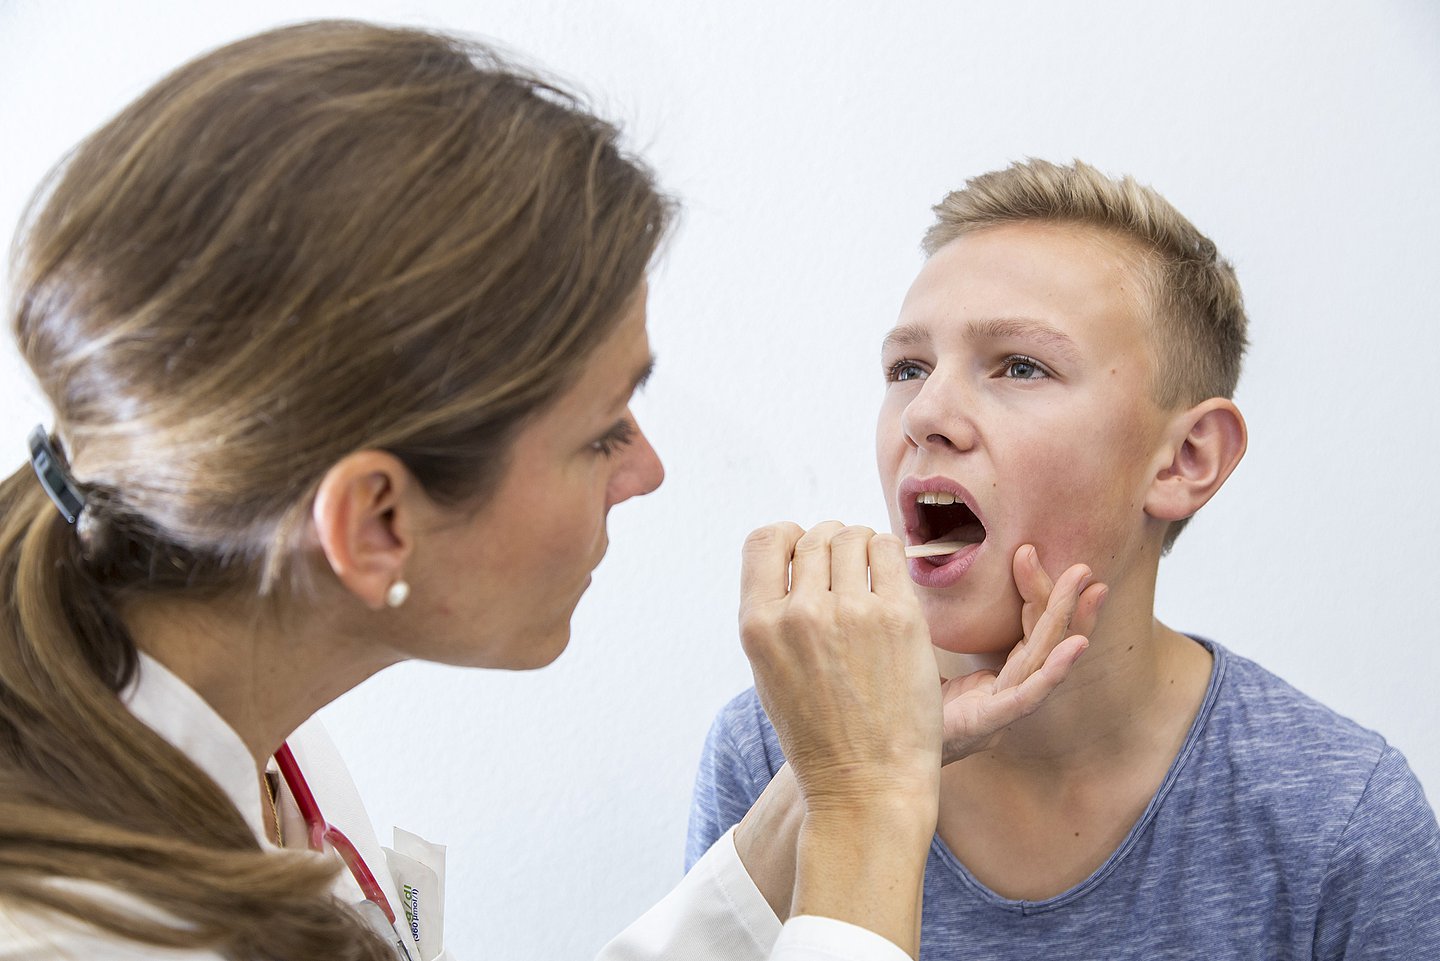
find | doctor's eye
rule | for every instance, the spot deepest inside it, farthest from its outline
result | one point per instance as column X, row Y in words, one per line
column 1020, row 367
column 615, row 439
column 903, row 370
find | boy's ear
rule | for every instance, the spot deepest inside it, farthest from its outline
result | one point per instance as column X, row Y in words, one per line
column 363, row 524
column 1203, row 445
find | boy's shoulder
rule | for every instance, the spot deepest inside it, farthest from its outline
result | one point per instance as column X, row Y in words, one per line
column 742, row 711
column 1265, row 719
column 1283, row 764
column 742, row 722
column 1281, row 790
column 743, row 737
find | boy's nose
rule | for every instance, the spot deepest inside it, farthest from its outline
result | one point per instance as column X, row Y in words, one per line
column 939, row 418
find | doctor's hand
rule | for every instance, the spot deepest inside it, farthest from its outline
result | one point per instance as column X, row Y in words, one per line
column 1056, row 619
column 842, row 662
column 844, row 669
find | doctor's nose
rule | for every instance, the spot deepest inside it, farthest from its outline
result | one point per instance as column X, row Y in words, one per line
column 939, row 418
column 640, row 473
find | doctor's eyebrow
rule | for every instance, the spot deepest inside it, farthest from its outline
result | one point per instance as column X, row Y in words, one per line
column 1024, row 328
column 636, row 383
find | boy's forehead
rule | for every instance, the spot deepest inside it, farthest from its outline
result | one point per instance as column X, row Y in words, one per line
column 1061, row 283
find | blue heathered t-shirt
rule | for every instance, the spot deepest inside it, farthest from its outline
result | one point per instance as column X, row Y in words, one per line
column 1281, row 831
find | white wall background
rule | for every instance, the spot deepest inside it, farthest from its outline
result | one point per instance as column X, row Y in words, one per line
column 808, row 140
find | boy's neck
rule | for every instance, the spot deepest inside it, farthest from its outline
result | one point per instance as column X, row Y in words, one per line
column 1044, row 809
column 1134, row 693
column 1139, row 681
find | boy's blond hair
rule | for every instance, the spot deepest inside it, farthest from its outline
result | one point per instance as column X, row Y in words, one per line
column 1193, row 296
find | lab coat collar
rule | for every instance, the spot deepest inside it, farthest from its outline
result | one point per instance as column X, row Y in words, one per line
column 169, row 707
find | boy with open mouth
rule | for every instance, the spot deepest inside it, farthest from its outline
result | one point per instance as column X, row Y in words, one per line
column 1058, row 392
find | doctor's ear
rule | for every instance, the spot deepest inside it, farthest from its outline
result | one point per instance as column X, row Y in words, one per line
column 363, row 523
column 1202, row 446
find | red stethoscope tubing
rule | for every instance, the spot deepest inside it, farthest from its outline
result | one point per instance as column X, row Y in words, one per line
column 321, row 831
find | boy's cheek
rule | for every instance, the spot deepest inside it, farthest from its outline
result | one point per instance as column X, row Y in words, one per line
column 1071, row 535
column 1078, row 512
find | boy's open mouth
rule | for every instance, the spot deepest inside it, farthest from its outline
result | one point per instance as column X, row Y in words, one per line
column 943, row 517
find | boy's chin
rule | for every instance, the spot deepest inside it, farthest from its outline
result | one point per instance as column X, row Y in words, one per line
column 971, row 645
column 991, row 632
column 977, row 638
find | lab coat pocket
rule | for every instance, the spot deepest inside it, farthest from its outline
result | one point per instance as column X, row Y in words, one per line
column 417, row 868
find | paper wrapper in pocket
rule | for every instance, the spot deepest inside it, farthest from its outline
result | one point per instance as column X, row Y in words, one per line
column 418, row 869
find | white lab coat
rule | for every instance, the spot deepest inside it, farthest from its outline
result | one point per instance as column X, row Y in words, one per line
column 715, row 914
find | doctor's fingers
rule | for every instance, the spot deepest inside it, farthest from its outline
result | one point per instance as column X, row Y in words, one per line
column 765, row 564
column 850, row 561
column 890, row 570
column 811, row 567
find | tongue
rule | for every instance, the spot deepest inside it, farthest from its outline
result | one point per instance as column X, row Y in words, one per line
column 972, row 532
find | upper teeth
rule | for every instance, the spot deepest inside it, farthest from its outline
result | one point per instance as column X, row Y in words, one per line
column 934, row 497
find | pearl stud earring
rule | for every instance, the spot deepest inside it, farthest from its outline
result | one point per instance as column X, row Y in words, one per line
column 397, row 594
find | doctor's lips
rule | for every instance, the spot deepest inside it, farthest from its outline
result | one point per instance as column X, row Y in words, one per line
column 938, row 519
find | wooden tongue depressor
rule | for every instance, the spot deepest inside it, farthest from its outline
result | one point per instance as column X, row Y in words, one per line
column 935, row 549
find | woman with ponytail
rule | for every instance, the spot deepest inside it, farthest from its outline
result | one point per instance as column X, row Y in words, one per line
column 339, row 325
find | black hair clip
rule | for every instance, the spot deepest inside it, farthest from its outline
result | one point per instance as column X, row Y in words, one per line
column 50, row 468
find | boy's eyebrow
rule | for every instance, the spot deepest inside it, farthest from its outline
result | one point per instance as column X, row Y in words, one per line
column 1024, row 328
column 1006, row 328
column 906, row 335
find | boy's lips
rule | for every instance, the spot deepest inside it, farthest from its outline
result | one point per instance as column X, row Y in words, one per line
column 925, row 573
column 948, row 513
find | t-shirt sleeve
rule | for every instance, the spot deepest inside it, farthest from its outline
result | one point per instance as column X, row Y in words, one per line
column 725, row 787
column 1381, row 894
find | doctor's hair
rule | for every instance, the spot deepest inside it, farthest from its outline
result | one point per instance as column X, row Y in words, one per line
column 326, row 238
column 1189, row 293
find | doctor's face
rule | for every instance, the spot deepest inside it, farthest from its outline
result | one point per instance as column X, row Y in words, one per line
column 514, row 572
column 1018, row 410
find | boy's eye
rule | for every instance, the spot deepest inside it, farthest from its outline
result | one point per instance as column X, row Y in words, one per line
column 1020, row 367
column 615, row 439
column 903, row 370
